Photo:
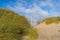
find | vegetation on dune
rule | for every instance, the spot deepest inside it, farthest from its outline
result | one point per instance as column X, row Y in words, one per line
column 50, row 20
column 14, row 26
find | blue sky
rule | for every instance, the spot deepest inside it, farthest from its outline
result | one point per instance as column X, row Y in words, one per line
column 34, row 10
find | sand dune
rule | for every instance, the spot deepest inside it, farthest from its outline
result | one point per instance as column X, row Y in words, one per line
column 48, row 32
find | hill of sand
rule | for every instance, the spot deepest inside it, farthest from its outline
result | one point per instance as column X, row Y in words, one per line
column 48, row 31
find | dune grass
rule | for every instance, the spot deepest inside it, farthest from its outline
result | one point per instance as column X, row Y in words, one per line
column 14, row 26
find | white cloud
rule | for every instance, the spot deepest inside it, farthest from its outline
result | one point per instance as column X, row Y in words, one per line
column 47, row 3
column 34, row 14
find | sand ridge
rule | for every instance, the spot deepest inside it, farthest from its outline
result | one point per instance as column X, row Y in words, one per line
column 48, row 31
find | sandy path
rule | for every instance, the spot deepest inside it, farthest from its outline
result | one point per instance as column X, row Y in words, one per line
column 48, row 32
